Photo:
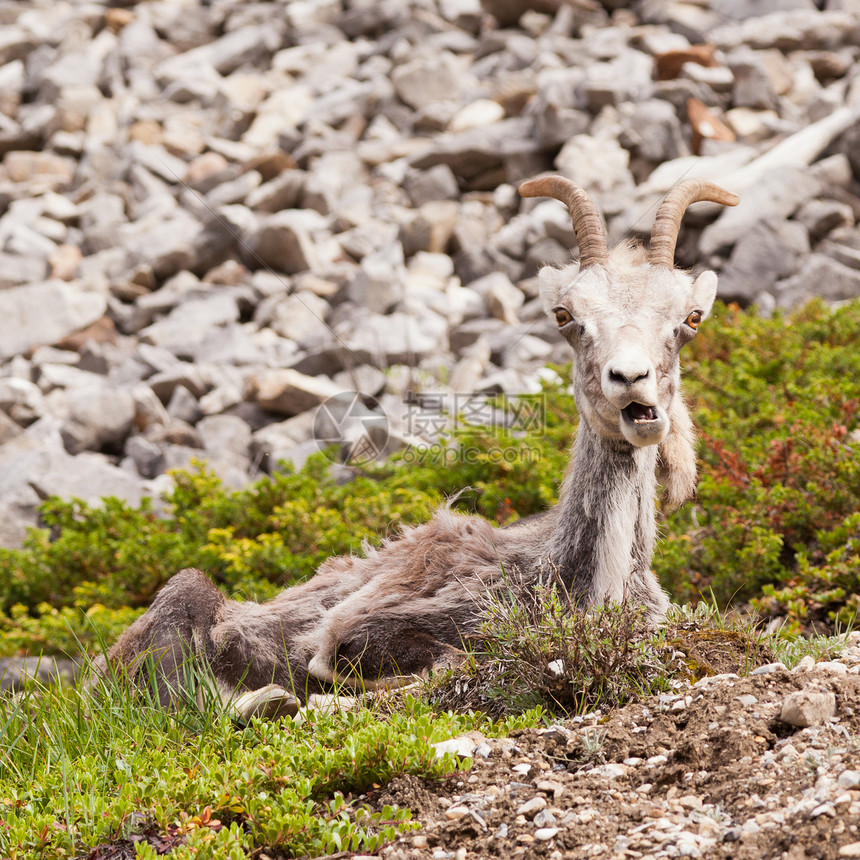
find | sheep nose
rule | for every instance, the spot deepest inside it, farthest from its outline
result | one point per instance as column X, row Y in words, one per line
column 628, row 377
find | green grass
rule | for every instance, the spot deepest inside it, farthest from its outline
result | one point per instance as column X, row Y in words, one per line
column 78, row 771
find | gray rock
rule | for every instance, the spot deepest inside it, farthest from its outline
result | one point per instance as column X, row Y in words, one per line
column 652, row 131
column 225, row 434
column 300, row 317
column 16, row 672
column 166, row 245
column 819, row 275
column 184, row 406
column 463, row 747
column 849, row 779
column 282, row 192
column 37, row 460
column 799, row 30
column 196, row 379
column 284, row 241
column 842, row 253
column 437, row 183
column 235, row 191
column 821, row 217
column 626, row 78
column 770, row 251
column 598, row 164
column 18, row 269
column 21, row 400
column 100, row 415
column 188, row 324
column 397, row 338
column 243, row 46
column 288, row 392
column 291, row 441
column 808, row 707
column 769, row 669
column 378, row 284
column 482, row 157
column 752, row 86
column 425, row 80
column 44, row 313
column 147, row 457
column 231, row 344
column 777, row 195
column 502, row 298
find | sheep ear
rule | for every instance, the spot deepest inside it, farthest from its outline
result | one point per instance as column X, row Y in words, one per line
column 704, row 292
column 552, row 283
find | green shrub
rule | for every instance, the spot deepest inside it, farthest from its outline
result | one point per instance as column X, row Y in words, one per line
column 775, row 521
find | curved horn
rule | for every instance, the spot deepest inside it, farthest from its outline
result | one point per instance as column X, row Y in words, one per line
column 587, row 224
column 664, row 236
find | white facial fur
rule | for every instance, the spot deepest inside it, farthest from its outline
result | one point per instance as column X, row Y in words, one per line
column 629, row 320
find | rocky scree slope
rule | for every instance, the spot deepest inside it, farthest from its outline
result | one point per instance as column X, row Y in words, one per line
column 215, row 216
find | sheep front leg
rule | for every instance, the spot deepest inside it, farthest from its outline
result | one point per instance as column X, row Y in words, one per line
column 173, row 638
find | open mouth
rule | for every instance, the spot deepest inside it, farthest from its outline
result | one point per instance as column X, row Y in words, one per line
column 638, row 413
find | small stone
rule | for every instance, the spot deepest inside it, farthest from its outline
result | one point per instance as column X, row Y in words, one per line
column 852, row 849
column 530, row 807
column 708, row 680
column 544, row 834
column 289, row 392
column 747, row 700
column 830, row 667
column 805, row 664
column 690, row 801
column 551, row 785
column 768, row 669
column 462, row 747
column 808, row 708
column 454, row 813
column 849, row 779
column 609, row 771
column 544, row 818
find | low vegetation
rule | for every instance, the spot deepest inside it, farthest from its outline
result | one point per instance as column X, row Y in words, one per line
column 775, row 530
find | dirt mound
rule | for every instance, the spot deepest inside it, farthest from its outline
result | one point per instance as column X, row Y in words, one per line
column 764, row 766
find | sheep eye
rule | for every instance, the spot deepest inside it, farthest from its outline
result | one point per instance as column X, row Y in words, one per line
column 694, row 320
column 562, row 317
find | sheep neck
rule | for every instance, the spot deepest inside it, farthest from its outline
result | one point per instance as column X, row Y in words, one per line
column 604, row 524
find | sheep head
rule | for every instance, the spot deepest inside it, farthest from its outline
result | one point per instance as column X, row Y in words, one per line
column 626, row 314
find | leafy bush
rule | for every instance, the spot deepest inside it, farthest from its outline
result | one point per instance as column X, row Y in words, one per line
column 775, row 522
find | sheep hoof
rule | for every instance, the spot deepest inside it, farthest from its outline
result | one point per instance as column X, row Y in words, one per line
column 268, row 703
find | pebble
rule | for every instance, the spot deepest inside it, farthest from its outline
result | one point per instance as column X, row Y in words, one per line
column 849, row 779
column 530, row 807
column 808, row 707
column 768, row 669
